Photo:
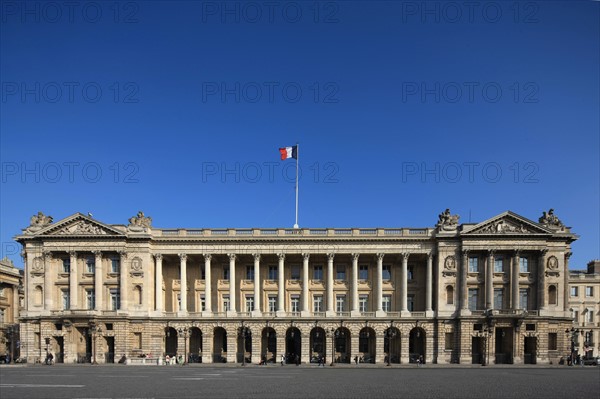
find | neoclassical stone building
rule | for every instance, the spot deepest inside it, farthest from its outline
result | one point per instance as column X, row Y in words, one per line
column 584, row 303
column 11, row 299
column 494, row 291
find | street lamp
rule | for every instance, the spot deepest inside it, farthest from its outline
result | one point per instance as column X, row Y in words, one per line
column 574, row 334
column 244, row 333
column 94, row 332
column 335, row 334
column 390, row 334
column 183, row 332
column 12, row 331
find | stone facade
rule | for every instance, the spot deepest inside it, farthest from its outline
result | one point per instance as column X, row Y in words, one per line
column 11, row 299
column 494, row 291
column 584, row 303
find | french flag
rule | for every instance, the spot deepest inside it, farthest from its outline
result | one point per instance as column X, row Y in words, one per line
column 289, row 152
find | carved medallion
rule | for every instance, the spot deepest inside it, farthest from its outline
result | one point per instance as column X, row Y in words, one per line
column 450, row 263
column 552, row 263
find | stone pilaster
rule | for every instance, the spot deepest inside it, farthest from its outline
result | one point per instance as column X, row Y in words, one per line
column 124, row 283
column 281, row 286
column 73, row 282
column 379, row 286
column 489, row 281
column 429, row 284
column 232, row 293
column 207, row 286
column 330, row 299
column 257, row 308
column 404, row 285
column 49, row 279
column 354, row 283
column 158, row 284
column 98, row 281
column 305, row 284
column 183, row 282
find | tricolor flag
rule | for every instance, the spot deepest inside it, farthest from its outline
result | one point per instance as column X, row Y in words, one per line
column 289, row 152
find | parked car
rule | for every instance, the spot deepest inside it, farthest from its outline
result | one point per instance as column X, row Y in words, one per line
column 591, row 361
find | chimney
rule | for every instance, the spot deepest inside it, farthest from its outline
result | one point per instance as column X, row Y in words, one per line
column 593, row 266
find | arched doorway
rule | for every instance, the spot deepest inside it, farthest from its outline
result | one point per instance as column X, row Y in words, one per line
column 219, row 345
column 416, row 345
column 391, row 345
column 170, row 342
column 195, row 355
column 268, row 347
column 293, row 342
column 317, row 344
column 244, row 345
column 366, row 345
column 342, row 345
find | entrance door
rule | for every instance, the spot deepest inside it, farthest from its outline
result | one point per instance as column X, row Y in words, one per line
column 504, row 345
column 110, row 350
column 60, row 353
column 530, row 350
column 292, row 345
column 477, row 350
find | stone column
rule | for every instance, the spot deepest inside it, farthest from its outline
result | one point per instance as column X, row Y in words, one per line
column 541, row 283
column 158, row 283
column 464, row 293
column 183, row 282
column 330, row 299
column 207, row 285
column 429, row 283
column 379, row 293
column 280, row 286
column 123, row 282
column 232, row 347
column 514, row 281
column 73, row 282
column 489, row 281
column 355, row 309
column 257, row 308
column 98, row 281
column 404, row 285
column 48, row 283
column 305, row 284
column 566, row 284
column 305, row 348
column 232, row 307
column 207, row 345
column 379, row 352
column 404, row 355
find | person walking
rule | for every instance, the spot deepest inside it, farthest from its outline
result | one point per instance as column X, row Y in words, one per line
column 282, row 359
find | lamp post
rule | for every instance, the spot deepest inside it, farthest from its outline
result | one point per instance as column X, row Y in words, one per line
column 244, row 333
column 94, row 332
column 390, row 334
column 12, row 332
column 183, row 332
column 573, row 334
column 335, row 334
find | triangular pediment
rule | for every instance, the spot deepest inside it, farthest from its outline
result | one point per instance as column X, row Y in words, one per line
column 507, row 223
column 79, row 225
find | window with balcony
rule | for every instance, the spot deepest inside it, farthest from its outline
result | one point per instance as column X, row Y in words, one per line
column 115, row 265
column 589, row 315
column 498, row 298
column 524, row 298
column 473, row 298
column 226, row 304
column 250, row 272
column 523, row 264
column 115, row 299
column 202, row 303
column 340, row 303
column 410, row 303
column 295, row 272
column 66, row 299
column 318, row 272
column 386, row 272
column 66, row 265
column 363, row 303
column 576, row 316
column 340, row 272
column 90, row 298
column 473, row 264
column 295, row 303
column 318, row 303
column 272, row 303
column 363, row 272
column 386, row 303
column 90, row 264
column 272, row 275
column 498, row 265
column 249, row 303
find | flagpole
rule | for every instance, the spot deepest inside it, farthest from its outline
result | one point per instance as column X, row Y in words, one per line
column 297, row 160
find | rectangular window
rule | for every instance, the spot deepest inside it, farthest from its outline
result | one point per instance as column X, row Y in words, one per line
column 115, row 299
column 66, row 265
column 387, row 272
column 363, row 272
column 90, row 264
column 318, row 303
column 589, row 315
column 295, row 302
column 473, row 298
column 90, row 299
column 574, row 291
column 410, row 303
column 340, row 272
column 249, row 272
column 498, row 298
column 272, row 303
column 449, row 341
column 295, row 270
column 552, row 341
column 115, row 265
column 498, row 265
column 589, row 291
column 363, row 303
column 226, row 272
column 523, row 264
column 66, row 300
column 137, row 340
column 576, row 316
column 524, row 298
column 249, row 303
column 202, row 303
column 473, row 264
column 317, row 272
column 203, row 273
column 340, row 303
column 410, row 270
column 386, row 303
column 226, row 306
column 272, row 272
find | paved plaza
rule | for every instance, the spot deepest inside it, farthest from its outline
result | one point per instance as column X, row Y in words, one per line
column 117, row 381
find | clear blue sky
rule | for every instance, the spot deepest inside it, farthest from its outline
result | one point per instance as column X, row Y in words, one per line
column 178, row 109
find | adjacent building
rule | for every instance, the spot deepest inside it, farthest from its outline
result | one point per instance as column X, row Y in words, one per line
column 488, row 292
column 11, row 299
column 584, row 303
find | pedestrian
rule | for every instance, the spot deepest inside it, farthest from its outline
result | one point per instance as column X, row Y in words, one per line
column 297, row 360
column 282, row 359
column 356, row 360
column 421, row 360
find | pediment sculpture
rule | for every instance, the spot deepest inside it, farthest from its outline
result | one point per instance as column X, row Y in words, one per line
column 447, row 222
